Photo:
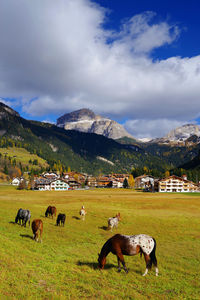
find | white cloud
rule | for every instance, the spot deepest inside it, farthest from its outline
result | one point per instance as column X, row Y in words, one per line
column 57, row 54
column 151, row 128
column 141, row 37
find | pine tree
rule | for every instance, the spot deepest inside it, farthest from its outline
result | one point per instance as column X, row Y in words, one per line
column 125, row 183
column 5, row 169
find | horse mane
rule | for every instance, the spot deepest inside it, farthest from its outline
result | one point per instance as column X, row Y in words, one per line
column 106, row 248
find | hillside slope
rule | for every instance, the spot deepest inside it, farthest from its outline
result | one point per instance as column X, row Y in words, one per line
column 81, row 151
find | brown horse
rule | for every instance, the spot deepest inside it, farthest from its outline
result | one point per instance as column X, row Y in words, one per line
column 51, row 210
column 130, row 245
column 37, row 225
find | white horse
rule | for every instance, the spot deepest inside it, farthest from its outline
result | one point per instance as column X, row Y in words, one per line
column 83, row 212
column 113, row 222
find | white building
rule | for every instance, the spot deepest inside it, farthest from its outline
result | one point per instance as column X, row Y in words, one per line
column 16, row 181
column 59, row 185
column 144, row 181
column 51, row 185
column 42, row 184
column 177, row 184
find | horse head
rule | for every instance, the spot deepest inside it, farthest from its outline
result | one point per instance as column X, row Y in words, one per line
column 118, row 217
column 101, row 261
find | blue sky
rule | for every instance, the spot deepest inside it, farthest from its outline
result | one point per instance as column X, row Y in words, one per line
column 136, row 62
column 184, row 13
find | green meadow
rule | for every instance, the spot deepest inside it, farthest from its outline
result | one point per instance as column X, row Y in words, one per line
column 23, row 156
column 64, row 265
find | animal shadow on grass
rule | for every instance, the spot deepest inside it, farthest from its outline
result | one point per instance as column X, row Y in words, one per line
column 41, row 216
column 52, row 224
column 76, row 218
column 11, row 222
column 94, row 265
column 103, row 227
column 26, row 236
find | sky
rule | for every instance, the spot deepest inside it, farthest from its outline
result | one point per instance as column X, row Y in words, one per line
column 134, row 61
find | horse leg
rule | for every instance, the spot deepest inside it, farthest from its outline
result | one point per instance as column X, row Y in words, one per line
column 36, row 236
column 157, row 271
column 121, row 259
column 119, row 266
column 40, row 235
column 154, row 261
column 148, row 264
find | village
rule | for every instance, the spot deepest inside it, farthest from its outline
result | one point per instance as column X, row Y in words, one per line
column 51, row 181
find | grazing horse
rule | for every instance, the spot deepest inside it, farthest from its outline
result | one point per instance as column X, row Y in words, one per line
column 61, row 219
column 37, row 225
column 23, row 215
column 83, row 213
column 113, row 222
column 121, row 245
column 51, row 210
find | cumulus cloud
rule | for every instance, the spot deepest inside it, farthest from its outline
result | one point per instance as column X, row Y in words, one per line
column 57, row 57
column 145, row 128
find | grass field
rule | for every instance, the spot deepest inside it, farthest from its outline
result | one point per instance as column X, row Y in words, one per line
column 23, row 156
column 64, row 266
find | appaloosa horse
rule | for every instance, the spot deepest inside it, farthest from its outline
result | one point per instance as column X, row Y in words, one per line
column 121, row 245
column 113, row 222
column 61, row 219
column 23, row 216
column 37, row 226
column 51, row 210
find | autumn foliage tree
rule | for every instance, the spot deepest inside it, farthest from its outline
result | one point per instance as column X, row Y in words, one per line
column 131, row 181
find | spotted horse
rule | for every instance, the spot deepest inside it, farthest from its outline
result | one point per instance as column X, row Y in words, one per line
column 121, row 245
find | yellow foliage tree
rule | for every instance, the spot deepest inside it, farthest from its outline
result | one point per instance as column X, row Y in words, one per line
column 145, row 170
column 167, row 174
column 131, row 181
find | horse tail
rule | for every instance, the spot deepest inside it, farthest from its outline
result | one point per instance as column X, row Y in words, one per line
column 153, row 259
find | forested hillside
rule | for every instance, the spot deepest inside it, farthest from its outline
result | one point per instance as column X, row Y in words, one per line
column 91, row 153
column 86, row 152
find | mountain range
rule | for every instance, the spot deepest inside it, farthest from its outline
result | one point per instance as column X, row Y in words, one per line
column 95, row 153
column 85, row 120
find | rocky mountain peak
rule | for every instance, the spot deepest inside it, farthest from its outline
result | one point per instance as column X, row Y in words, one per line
column 6, row 110
column 85, row 120
column 78, row 115
column 183, row 133
column 188, row 133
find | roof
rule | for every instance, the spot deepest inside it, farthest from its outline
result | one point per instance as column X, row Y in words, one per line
column 179, row 178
